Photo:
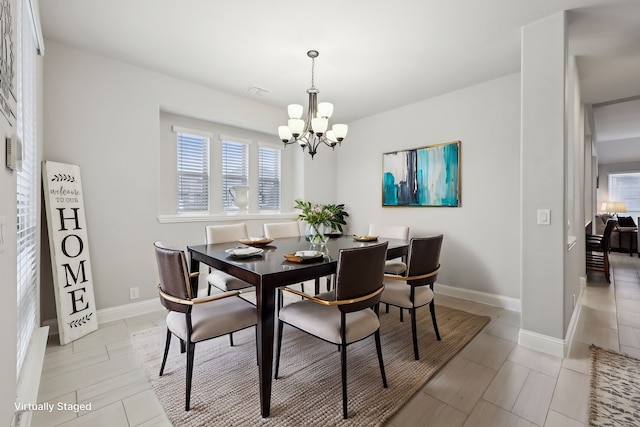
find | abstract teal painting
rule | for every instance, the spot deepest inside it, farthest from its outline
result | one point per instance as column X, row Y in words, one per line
column 426, row 176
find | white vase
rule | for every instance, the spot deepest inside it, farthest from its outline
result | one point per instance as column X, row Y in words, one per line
column 240, row 196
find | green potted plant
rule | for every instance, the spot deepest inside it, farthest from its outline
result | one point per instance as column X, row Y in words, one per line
column 339, row 215
column 321, row 218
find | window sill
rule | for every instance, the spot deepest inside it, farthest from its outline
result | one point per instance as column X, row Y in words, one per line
column 230, row 216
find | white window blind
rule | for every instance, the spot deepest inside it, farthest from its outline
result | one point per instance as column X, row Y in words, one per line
column 193, row 173
column 625, row 187
column 235, row 169
column 268, row 178
column 28, row 184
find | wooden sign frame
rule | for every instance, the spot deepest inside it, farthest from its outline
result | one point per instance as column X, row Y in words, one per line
column 69, row 247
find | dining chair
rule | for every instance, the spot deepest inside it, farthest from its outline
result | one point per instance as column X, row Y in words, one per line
column 415, row 289
column 193, row 319
column 401, row 232
column 346, row 314
column 281, row 230
column 597, row 250
column 223, row 234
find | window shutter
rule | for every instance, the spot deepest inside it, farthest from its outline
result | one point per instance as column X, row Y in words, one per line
column 28, row 187
column 193, row 173
column 235, row 169
column 269, row 178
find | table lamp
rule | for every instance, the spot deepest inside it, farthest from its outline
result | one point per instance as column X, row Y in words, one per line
column 614, row 208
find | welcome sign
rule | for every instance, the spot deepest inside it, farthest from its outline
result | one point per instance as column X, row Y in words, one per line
column 70, row 261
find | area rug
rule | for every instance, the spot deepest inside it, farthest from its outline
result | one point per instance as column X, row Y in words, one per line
column 615, row 389
column 308, row 392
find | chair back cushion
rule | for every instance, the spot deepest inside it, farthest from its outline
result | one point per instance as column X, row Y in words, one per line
column 174, row 276
column 424, row 257
column 360, row 272
column 280, row 230
column 225, row 233
column 389, row 231
column 606, row 236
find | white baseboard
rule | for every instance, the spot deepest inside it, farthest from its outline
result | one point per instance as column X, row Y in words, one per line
column 543, row 343
column 481, row 297
column 116, row 313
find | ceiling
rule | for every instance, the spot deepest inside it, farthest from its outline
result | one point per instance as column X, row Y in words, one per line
column 375, row 55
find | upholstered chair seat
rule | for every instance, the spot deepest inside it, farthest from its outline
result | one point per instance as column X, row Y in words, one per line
column 213, row 320
column 225, row 282
column 323, row 321
column 397, row 294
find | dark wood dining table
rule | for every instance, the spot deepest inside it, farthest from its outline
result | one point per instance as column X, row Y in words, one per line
column 271, row 270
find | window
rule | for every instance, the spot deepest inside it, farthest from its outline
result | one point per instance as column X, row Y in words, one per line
column 235, row 169
column 625, row 187
column 268, row 178
column 201, row 161
column 193, row 173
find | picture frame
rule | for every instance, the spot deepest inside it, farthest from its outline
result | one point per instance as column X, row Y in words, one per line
column 427, row 176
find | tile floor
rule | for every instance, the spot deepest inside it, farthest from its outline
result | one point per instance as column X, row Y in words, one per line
column 492, row 382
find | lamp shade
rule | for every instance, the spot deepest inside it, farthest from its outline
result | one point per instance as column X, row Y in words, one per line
column 618, row 207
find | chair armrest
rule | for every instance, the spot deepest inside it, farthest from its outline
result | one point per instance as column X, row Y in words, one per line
column 421, row 276
column 336, row 302
column 194, row 274
column 200, row 300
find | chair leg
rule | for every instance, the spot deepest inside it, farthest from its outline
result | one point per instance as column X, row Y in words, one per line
column 343, row 361
column 317, row 286
column 191, row 349
column 166, row 351
column 183, row 347
column 414, row 332
column 379, row 351
column 231, row 339
column 386, row 307
column 278, row 348
column 432, row 308
column 606, row 267
column 401, row 314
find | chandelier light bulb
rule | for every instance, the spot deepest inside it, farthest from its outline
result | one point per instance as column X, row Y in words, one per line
column 331, row 136
column 296, row 126
column 285, row 133
column 319, row 125
column 325, row 109
column 295, row 111
column 340, row 131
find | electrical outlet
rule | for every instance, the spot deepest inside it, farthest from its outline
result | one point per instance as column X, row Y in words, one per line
column 134, row 293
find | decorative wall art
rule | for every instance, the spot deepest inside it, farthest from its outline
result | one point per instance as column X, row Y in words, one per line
column 8, row 100
column 426, row 176
column 69, row 247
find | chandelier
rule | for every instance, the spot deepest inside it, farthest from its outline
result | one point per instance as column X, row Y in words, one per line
column 311, row 132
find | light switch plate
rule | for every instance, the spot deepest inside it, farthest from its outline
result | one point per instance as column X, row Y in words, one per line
column 544, row 216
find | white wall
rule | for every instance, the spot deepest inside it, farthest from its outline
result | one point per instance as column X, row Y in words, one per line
column 481, row 248
column 544, row 153
column 104, row 116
